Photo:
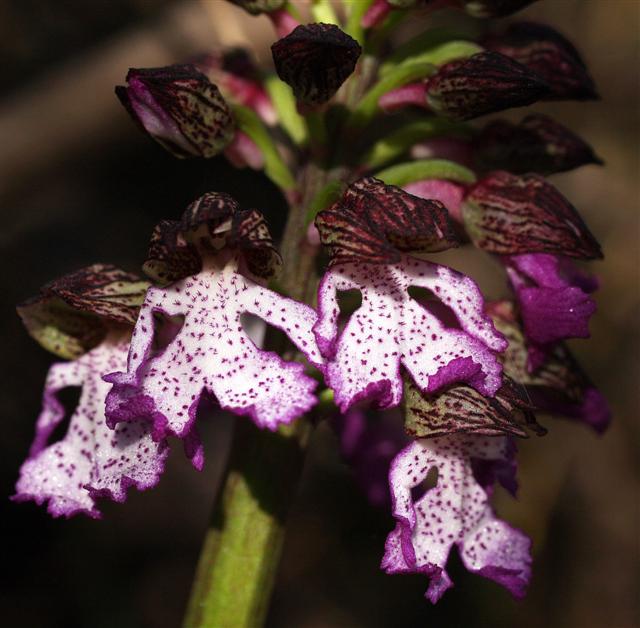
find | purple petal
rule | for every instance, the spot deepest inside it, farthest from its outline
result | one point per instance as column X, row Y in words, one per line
column 92, row 460
column 391, row 329
column 552, row 309
column 212, row 352
column 456, row 511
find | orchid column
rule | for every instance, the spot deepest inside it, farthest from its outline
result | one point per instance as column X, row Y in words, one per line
column 374, row 153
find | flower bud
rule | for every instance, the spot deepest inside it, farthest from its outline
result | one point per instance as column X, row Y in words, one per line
column 315, row 59
column 483, row 83
column 510, row 215
column 537, row 144
column 550, row 55
column 179, row 108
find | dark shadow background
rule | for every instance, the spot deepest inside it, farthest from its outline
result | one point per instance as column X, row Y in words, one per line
column 79, row 184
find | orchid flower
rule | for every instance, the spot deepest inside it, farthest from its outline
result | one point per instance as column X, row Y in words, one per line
column 91, row 460
column 215, row 258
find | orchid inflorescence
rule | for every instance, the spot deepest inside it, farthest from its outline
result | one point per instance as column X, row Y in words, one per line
column 371, row 147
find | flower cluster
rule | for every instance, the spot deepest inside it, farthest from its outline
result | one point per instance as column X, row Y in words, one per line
column 383, row 194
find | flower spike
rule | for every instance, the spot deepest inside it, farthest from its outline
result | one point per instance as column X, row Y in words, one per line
column 71, row 314
column 315, row 59
column 455, row 512
column 509, row 215
column 376, row 223
column 226, row 251
column 550, row 55
column 179, row 108
column 537, row 144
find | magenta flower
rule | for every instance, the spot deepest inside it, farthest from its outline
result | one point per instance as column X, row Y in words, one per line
column 455, row 512
column 552, row 295
column 211, row 352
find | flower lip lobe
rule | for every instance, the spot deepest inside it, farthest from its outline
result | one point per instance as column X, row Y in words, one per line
column 180, row 108
column 315, row 59
column 483, row 83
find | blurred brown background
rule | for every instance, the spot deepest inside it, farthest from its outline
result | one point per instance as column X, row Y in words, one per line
column 79, row 184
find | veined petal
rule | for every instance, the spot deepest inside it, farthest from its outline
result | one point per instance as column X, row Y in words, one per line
column 483, row 83
column 213, row 223
column 91, row 460
column 510, row 214
column 315, row 59
column 71, row 314
column 391, row 329
column 211, row 352
column 179, row 108
column 550, row 55
column 461, row 409
column 537, row 144
column 376, row 223
column 455, row 512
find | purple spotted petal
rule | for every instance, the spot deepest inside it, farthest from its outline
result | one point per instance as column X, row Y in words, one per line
column 91, row 460
column 455, row 512
column 551, row 306
column 212, row 352
column 391, row 329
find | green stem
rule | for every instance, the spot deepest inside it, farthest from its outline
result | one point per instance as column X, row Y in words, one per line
column 242, row 548
column 421, row 169
column 240, row 555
